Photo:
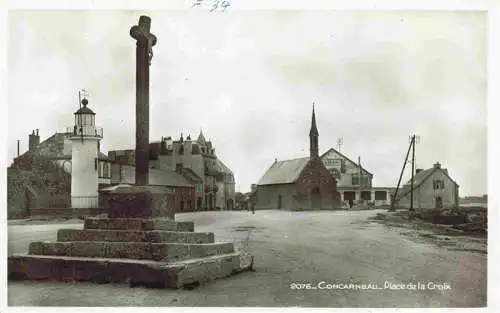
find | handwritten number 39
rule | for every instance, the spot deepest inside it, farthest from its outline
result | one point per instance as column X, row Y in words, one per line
column 215, row 5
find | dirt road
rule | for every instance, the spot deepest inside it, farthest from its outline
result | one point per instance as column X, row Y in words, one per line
column 332, row 248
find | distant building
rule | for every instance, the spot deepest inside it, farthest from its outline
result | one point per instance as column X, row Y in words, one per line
column 351, row 187
column 40, row 178
column 299, row 184
column 62, row 173
column 195, row 160
column 180, row 189
column 432, row 188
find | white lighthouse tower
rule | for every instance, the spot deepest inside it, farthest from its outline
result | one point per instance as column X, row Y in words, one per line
column 85, row 138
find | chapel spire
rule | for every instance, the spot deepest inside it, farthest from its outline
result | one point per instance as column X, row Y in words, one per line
column 313, row 136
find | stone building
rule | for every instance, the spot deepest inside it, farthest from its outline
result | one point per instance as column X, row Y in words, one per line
column 40, row 179
column 432, row 188
column 299, row 184
column 195, row 160
column 351, row 187
column 180, row 190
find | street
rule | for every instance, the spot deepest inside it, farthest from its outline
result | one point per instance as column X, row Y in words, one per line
column 291, row 249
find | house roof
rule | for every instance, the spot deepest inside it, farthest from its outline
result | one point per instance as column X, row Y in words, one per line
column 53, row 147
column 419, row 179
column 201, row 138
column 192, row 175
column 342, row 155
column 284, row 172
column 102, row 156
column 158, row 178
column 221, row 167
column 84, row 110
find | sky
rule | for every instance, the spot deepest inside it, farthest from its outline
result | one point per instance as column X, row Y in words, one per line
column 248, row 80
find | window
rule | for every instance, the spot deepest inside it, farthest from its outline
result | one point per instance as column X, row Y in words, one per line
column 438, row 184
column 342, row 166
column 365, row 180
column 380, row 195
column 355, row 179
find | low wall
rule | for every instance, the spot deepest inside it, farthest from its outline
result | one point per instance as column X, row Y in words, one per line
column 67, row 212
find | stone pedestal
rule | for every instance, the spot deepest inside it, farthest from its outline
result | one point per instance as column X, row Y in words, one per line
column 139, row 202
column 151, row 252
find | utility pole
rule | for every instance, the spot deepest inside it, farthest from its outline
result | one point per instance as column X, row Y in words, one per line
column 18, row 141
column 400, row 177
column 413, row 142
column 412, row 171
column 359, row 173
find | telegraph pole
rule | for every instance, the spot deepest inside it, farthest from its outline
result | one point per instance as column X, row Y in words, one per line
column 412, row 171
column 359, row 173
column 393, row 201
column 414, row 140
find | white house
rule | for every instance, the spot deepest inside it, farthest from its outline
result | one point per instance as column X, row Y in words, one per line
column 351, row 187
column 432, row 188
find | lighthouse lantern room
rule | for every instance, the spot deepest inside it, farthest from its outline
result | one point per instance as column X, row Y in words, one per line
column 85, row 138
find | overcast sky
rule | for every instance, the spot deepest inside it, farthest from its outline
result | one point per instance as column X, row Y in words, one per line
column 248, row 79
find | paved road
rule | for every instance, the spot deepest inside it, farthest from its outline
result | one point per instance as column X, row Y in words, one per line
column 289, row 247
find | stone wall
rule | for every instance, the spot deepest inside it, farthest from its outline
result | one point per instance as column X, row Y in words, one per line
column 67, row 212
column 16, row 193
column 35, row 182
column 297, row 196
column 315, row 175
column 268, row 197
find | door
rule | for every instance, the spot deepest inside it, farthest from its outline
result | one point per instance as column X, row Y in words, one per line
column 439, row 202
column 315, row 198
column 279, row 202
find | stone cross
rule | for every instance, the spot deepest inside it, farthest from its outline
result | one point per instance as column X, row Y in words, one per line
column 144, row 53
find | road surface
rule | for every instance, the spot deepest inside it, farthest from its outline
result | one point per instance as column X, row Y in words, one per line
column 291, row 249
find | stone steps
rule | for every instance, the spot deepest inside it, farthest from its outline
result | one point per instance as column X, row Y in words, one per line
column 155, row 236
column 138, row 224
column 153, row 252
column 130, row 250
column 113, row 270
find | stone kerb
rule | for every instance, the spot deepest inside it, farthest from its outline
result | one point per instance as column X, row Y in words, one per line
column 138, row 224
column 155, row 236
column 166, row 252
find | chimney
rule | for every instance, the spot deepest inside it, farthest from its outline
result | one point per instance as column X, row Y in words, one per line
column 445, row 170
column 437, row 165
column 34, row 140
column 253, row 187
column 163, row 146
column 18, row 148
column 188, row 145
column 418, row 170
column 174, row 155
column 168, row 141
column 275, row 160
